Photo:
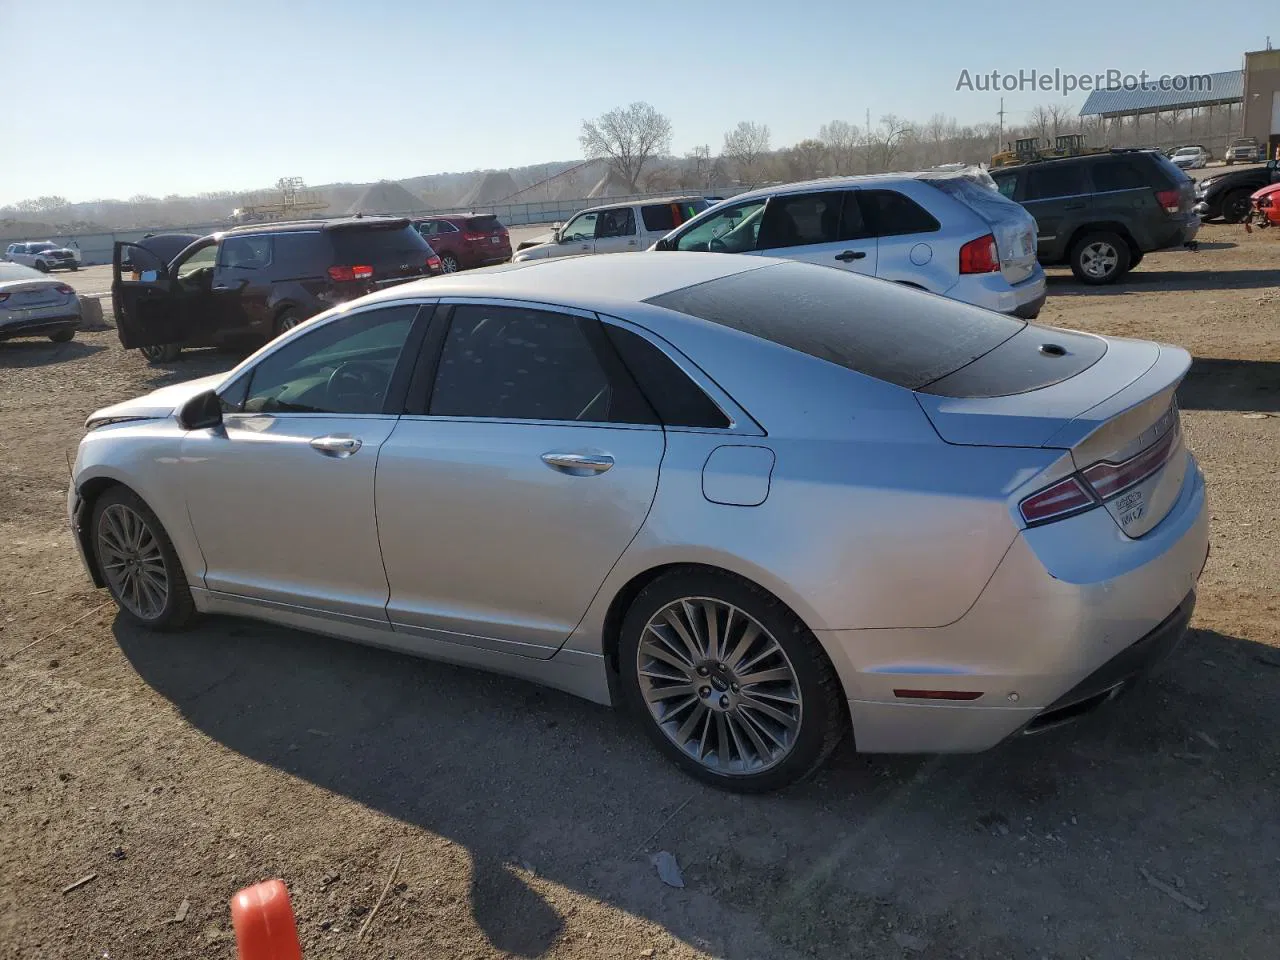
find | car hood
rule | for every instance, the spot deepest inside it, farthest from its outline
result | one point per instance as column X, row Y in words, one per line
column 157, row 404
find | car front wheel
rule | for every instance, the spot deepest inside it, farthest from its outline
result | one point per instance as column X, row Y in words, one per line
column 161, row 352
column 1236, row 206
column 728, row 682
column 138, row 563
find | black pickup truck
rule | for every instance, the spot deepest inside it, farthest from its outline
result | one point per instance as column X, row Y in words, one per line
column 1227, row 195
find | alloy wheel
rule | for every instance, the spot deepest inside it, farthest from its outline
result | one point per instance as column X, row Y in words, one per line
column 1099, row 259
column 448, row 264
column 132, row 561
column 719, row 686
column 289, row 321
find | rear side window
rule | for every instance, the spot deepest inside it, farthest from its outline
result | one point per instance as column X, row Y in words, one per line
column 880, row 329
column 1117, row 175
column 303, row 252
column 616, row 223
column 798, row 219
column 1173, row 174
column 678, row 400
column 1055, row 180
column 889, row 214
column 659, row 217
column 245, row 253
column 350, row 245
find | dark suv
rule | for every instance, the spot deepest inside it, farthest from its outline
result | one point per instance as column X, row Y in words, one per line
column 251, row 284
column 1101, row 212
column 466, row 240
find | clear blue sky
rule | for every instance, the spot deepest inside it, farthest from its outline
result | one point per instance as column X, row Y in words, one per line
column 107, row 99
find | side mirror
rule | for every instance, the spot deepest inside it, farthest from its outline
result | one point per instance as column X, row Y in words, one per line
column 201, row 412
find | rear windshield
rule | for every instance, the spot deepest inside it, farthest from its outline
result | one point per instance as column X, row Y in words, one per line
column 489, row 224
column 878, row 328
column 360, row 244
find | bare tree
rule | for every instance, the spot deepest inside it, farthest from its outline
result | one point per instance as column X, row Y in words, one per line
column 939, row 133
column 1040, row 120
column 806, row 160
column 1059, row 117
column 841, row 140
column 745, row 145
column 627, row 138
column 701, row 168
column 885, row 142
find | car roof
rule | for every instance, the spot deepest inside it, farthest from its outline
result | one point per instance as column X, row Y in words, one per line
column 337, row 223
column 585, row 282
column 646, row 202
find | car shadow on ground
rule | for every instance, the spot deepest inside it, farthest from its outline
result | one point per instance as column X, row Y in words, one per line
column 1213, row 383
column 1065, row 285
column 42, row 352
column 1175, row 777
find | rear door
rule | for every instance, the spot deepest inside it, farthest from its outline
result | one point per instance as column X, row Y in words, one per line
column 616, row 231
column 1057, row 195
column 1123, row 191
column 811, row 227
column 146, row 305
column 906, row 236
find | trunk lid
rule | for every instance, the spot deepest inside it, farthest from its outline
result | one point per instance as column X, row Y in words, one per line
column 1012, row 226
column 1109, row 402
column 395, row 251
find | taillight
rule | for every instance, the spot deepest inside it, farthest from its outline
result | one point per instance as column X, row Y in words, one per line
column 1171, row 200
column 980, row 256
column 1056, row 501
column 65, row 290
column 1108, row 479
column 434, row 262
column 343, row 274
column 473, row 237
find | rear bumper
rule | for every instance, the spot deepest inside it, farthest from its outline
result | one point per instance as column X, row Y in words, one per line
column 991, row 290
column 38, row 327
column 1177, row 233
column 1074, row 611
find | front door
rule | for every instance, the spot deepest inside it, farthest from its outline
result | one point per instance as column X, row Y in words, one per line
column 505, row 502
column 578, row 236
column 281, row 497
column 143, row 300
column 242, row 286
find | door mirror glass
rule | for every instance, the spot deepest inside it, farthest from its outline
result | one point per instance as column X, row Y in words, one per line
column 201, row 412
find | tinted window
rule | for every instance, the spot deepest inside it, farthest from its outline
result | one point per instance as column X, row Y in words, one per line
column 877, row 328
column 507, row 363
column 352, row 245
column 659, row 217
column 853, row 226
column 245, row 253
column 616, row 223
column 1055, row 180
column 1007, row 186
column 485, row 224
column 1173, row 174
column 799, row 219
column 343, row 367
column 678, row 401
column 301, row 251
column 732, row 229
column 1117, row 175
column 891, row 214
column 444, row 226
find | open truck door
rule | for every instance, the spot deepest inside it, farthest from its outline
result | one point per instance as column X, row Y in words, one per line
column 146, row 300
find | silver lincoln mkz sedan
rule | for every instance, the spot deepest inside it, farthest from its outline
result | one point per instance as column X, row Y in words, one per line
column 760, row 502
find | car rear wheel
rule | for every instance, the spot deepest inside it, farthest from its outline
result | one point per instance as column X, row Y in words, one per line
column 1236, row 206
column 161, row 352
column 62, row 336
column 449, row 263
column 1099, row 258
column 138, row 563
column 42, row 266
column 728, row 682
column 1135, row 257
column 287, row 320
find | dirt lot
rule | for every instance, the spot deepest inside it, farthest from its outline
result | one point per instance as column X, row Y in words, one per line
column 177, row 769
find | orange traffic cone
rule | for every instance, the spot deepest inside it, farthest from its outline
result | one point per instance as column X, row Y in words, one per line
column 264, row 923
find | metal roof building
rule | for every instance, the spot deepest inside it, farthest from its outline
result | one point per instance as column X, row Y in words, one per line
column 1201, row 90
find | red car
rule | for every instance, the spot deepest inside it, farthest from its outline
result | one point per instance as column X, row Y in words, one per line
column 465, row 240
column 1266, row 206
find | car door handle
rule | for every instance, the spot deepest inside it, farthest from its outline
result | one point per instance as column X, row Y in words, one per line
column 226, row 287
column 333, row 446
column 850, row 255
column 578, row 464
column 1073, row 206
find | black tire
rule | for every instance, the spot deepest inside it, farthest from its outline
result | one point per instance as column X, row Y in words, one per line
column 449, row 263
column 1100, row 246
column 178, row 609
column 62, row 336
column 1135, row 257
column 75, row 267
column 1236, row 206
column 823, row 713
column 161, row 352
column 287, row 320
column 42, row 266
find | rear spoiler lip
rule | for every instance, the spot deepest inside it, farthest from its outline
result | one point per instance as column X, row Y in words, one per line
column 1154, row 389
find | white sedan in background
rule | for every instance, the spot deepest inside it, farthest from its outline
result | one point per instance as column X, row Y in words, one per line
column 33, row 305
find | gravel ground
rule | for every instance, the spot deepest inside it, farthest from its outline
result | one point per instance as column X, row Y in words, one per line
column 175, row 769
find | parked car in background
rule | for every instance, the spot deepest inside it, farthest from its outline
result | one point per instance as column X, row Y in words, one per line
column 42, row 255
column 1101, row 213
column 1227, row 195
column 253, row 283
column 755, row 526
column 1243, row 150
column 463, row 241
column 1191, row 158
column 32, row 305
column 1266, row 206
column 941, row 231
column 615, row 228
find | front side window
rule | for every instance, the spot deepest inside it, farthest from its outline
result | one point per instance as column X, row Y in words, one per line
column 511, row 363
column 616, row 223
column 731, row 230
column 342, row 367
column 1007, row 186
column 581, row 227
column 1055, row 180
column 202, row 259
column 800, row 219
column 245, row 253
